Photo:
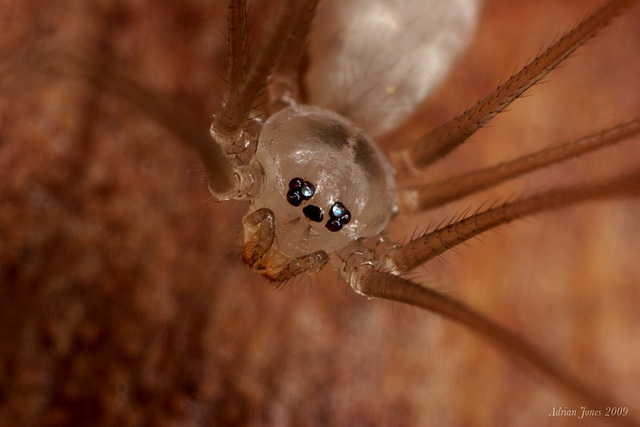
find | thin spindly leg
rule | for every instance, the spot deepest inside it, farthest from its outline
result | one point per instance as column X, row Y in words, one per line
column 283, row 85
column 391, row 287
column 244, row 86
column 227, row 125
column 237, row 49
column 423, row 197
column 407, row 257
column 95, row 68
column 444, row 139
column 259, row 235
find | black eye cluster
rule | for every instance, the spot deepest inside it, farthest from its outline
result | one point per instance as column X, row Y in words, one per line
column 301, row 190
column 339, row 216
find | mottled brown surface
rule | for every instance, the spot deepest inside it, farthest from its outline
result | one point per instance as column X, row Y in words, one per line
column 123, row 299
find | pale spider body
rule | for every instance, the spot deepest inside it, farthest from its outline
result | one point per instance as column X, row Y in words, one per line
column 342, row 167
column 356, row 67
column 144, row 311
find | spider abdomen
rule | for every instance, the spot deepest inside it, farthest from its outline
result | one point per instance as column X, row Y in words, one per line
column 376, row 61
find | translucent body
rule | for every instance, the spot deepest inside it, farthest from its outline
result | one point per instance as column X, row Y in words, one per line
column 343, row 165
column 359, row 66
column 355, row 51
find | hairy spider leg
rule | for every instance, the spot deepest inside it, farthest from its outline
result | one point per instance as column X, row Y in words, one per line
column 285, row 41
column 94, row 67
column 376, row 276
column 228, row 123
column 379, row 278
column 391, row 287
column 284, row 88
column 413, row 199
column 416, row 155
column 409, row 256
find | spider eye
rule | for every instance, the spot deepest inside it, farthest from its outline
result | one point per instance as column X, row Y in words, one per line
column 295, row 183
column 312, row 212
column 337, row 210
column 345, row 218
column 294, row 197
column 334, row 224
column 299, row 190
column 340, row 216
column 307, row 190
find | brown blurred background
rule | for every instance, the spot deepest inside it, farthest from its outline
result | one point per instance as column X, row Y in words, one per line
column 123, row 298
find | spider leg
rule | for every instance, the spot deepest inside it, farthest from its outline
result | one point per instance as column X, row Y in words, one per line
column 246, row 82
column 227, row 126
column 371, row 283
column 259, row 234
column 284, row 82
column 95, row 68
column 238, row 54
column 444, row 139
column 423, row 197
column 407, row 257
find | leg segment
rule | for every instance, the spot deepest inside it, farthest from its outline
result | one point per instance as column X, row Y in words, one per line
column 227, row 125
column 411, row 200
column 76, row 64
column 407, row 257
column 447, row 137
column 284, row 87
column 246, row 82
column 237, row 49
column 377, row 284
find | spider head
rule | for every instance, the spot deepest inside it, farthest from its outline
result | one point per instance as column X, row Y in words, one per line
column 325, row 181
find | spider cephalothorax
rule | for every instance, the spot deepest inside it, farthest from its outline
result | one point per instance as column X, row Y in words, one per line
column 324, row 182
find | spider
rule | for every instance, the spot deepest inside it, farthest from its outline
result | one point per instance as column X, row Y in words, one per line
column 294, row 316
